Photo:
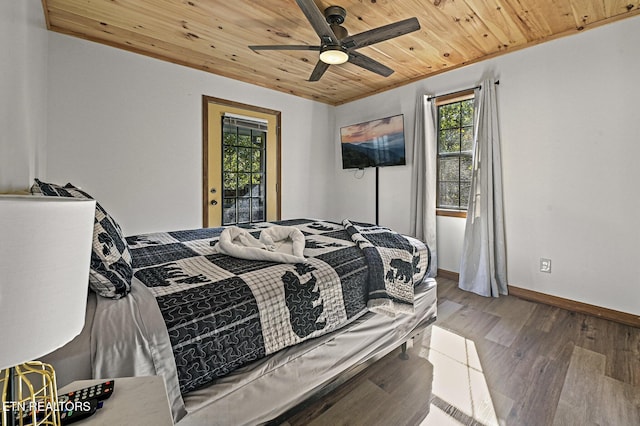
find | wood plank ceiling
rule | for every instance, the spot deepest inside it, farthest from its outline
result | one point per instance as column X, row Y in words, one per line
column 213, row 35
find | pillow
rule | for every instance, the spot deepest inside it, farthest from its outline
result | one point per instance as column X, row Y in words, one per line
column 111, row 272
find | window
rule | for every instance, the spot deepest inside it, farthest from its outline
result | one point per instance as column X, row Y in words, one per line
column 455, row 152
column 243, row 171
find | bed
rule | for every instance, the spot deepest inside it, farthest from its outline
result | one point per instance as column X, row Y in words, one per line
column 197, row 318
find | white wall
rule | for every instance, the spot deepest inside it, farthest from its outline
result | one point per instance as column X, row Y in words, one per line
column 356, row 189
column 571, row 155
column 128, row 129
column 23, row 93
column 570, row 145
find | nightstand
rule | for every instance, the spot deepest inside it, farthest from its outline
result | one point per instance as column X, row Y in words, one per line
column 140, row 401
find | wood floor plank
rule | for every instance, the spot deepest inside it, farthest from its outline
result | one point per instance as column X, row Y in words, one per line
column 620, row 403
column 514, row 314
column 623, row 357
column 547, row 318
column 469, row 318
column 481, row 363
column 619, row 343
column 361, row 403
column 446, row 308
column 545, row 380
column 568, row 415
column 405, row 376
column 502, row 404
column 583, row 382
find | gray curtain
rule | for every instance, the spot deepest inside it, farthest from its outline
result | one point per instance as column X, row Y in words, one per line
column 423, row 182
column 483, row 268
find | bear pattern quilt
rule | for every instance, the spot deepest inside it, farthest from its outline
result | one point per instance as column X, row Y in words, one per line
column 223, row 312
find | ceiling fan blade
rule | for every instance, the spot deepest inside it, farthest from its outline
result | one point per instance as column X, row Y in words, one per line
column 369, row 64
column 320, row 68
column 379, row 34
column 318, row 22
column 285, row 47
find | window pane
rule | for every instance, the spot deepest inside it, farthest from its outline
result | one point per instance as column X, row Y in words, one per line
column 243, row 210
column 466, row 137
column 244, row 159
column 449, row 169
column 228, row 211
column 466, row 166
column 449, row 140
column 257, row 182
column 244, row 184
column 466, row 113
column 448, row 195
column 229, row 184
column 256, row 160
column 257, row 210
column 258, row 139
column 230, row 161
column 244, row 137
column 449, row 116
column 464, row 194
column 229, row 136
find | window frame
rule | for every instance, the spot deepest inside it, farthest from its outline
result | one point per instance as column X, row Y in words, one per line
column 441, row 101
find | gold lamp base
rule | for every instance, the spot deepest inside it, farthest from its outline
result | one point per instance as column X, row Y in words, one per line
column 29, row 395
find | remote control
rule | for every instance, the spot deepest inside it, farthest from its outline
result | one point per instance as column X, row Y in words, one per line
column 98, row 392
column 74, row 411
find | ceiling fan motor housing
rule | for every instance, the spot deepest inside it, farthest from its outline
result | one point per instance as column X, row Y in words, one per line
column 340, row 31
column 335, row 15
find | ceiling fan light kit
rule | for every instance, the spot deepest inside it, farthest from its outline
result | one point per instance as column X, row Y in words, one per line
column 333, row 55
column 337, row 46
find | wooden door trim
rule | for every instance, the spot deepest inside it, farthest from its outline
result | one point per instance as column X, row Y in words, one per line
column 206, row 100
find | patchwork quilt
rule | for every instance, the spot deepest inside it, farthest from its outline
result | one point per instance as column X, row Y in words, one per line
column 392, row 263
column 223, row 312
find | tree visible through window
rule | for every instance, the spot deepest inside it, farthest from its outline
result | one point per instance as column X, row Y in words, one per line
column 243, row 171
column 455, row 151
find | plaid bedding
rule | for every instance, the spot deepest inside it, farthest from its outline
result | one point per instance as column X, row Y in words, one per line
column 222, row 312
column 393, row 266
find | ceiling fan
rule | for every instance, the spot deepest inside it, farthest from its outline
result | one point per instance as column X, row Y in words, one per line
column 337, row 46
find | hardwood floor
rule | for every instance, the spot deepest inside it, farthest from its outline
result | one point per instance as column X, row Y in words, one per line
column 501, row 361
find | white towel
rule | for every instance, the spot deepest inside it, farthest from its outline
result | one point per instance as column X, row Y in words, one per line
column 283, row 244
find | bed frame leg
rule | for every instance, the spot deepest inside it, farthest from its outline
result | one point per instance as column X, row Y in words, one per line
column 403, row 355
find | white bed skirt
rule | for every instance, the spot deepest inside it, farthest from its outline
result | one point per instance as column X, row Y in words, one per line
column 269, row 387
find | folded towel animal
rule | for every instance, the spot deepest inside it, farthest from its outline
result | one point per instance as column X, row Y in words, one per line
column 283, row 244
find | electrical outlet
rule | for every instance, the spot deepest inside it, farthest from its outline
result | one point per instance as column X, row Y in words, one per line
column 545, row 265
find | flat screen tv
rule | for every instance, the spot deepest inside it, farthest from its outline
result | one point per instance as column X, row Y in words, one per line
column 374, row 143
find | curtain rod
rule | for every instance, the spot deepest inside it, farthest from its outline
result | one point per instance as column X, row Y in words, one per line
column 430, row 98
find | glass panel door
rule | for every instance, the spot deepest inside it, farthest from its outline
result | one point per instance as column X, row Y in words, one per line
column 243, row 171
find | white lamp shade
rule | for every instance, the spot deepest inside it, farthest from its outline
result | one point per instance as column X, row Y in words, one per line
column 45, row 252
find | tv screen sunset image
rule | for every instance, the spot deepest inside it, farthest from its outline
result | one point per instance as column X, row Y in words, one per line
column 374, row 143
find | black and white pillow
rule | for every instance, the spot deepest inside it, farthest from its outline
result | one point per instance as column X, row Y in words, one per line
column 111, row 271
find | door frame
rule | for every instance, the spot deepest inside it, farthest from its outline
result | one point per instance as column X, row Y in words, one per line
column 208, row 100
